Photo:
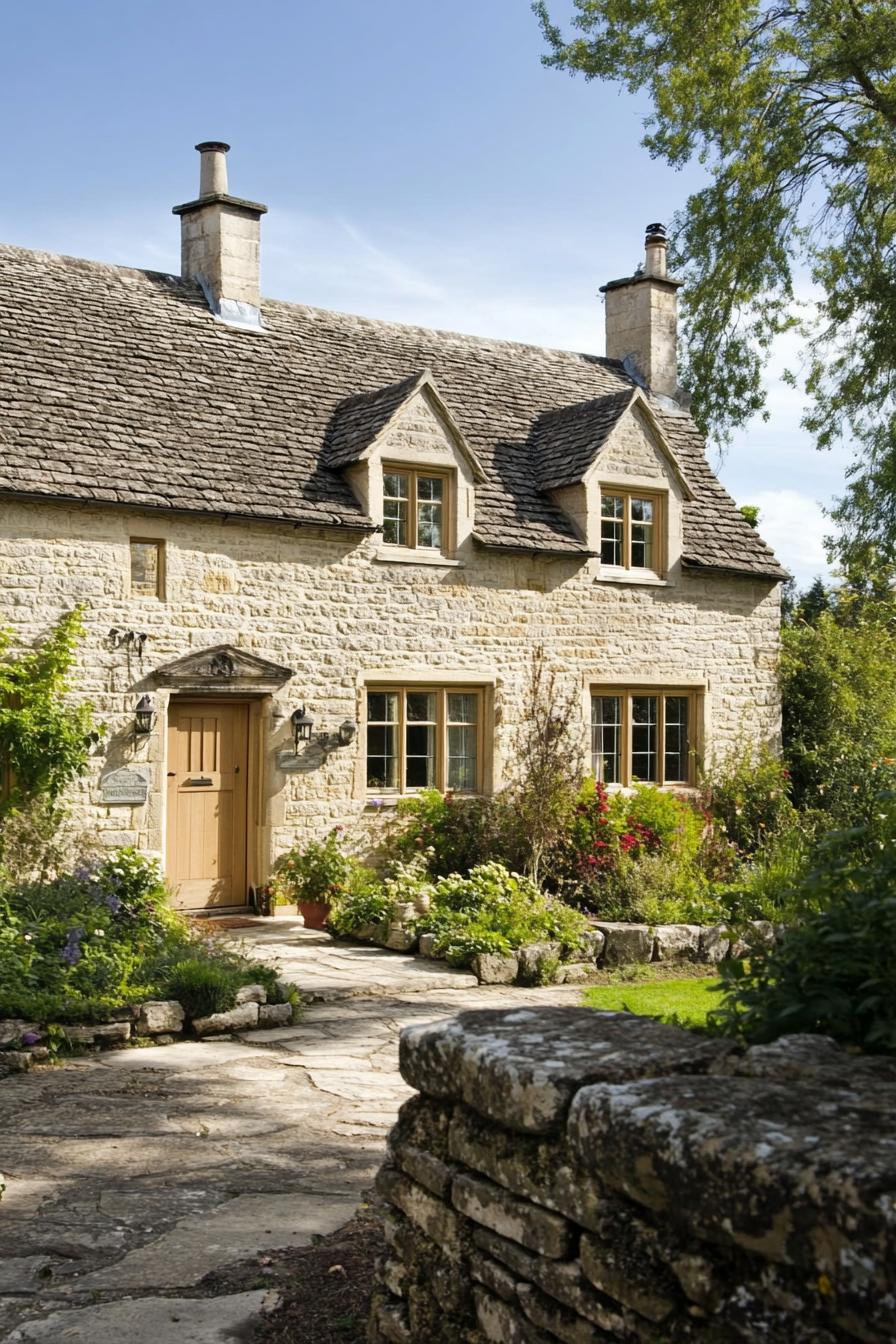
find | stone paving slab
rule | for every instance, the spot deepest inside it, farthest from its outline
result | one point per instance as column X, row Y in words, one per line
column 147, row 1320
column 131, row 1173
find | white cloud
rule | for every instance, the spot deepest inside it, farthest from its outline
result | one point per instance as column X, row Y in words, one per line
column 794, row 526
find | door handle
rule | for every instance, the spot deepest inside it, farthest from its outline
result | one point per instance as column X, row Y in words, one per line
column 204, row 782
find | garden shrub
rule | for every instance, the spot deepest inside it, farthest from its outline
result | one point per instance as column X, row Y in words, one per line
column 835, row 971
column 493, row 910
column 323, row 871
column 87, row 942
column 45, row 739
column 747, row 795
column 456, row 833
column 203, row 987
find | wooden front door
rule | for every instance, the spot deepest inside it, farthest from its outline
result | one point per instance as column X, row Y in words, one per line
column 208, row 757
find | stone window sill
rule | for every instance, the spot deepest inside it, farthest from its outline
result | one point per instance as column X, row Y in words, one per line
column 401, row 555
column 640, row 578
column 382, row 802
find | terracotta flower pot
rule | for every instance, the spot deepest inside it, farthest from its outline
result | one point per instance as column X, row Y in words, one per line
column 314, row 913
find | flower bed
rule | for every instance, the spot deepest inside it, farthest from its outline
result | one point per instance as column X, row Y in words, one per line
column 98, row 956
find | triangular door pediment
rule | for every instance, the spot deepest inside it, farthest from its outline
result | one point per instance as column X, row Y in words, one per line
column 222, row 668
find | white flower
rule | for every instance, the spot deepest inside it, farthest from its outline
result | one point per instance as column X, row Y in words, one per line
column 100, row 933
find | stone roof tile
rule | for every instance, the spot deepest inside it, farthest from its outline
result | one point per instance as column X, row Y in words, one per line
column 118, row 386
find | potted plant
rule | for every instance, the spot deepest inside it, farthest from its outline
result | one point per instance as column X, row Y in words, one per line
column 313, row 878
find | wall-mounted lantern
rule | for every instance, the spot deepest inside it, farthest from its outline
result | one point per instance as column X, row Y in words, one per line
column 144, row 716
column 302, row 724
column 343, row 736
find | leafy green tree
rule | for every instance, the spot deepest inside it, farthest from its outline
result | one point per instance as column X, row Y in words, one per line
column 791, row 107
column 45, row 738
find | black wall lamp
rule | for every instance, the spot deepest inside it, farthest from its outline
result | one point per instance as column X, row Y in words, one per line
column 343, row 736
column 302, row 724
column 144, row 716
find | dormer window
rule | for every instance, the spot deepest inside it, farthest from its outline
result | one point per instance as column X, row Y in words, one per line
column 415, row 510
column 630, row 529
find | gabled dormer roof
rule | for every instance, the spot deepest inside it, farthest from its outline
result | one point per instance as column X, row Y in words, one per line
column 118, row 388
column 569, row 442
column 360, row 422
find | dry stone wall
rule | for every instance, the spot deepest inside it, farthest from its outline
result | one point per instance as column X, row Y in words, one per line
column 579, row 1176
column 328, row 607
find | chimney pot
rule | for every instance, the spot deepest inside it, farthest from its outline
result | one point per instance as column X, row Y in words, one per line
column 655, row 250
column 213, row 168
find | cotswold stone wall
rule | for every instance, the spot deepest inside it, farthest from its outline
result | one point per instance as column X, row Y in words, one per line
column 580, row 1176
column 336, row 611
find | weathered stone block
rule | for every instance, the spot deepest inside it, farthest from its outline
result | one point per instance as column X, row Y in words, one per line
column 715, row 943
column 538, row 963
column 493, row 1276
column 630, row 1274
column 592, row 944
column 435, row 1219
column 17, row 1061
column 559, row 1321
column 427, row 946
column 425, row 1169
column 274, row 1014
column 536, row 1169
column 574, row 972
column 676, row 942
column 237, row 1019
column 398, row 938
column 251, row 994
column 536, row 1228
column 388, row 1322
column 522, row 1067
column 105, row 1034
column 626, row 943
column 759, row 933
column 12, row 1029
column 501, row 1323
column 159, row 1016
column 492, row 968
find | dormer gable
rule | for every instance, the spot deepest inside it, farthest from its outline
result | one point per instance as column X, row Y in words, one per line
column 408, row 461
column 608, row 457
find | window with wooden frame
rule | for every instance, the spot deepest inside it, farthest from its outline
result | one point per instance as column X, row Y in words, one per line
column 147, row 561
column 631, row 529
column 416, row 508
column 424, row 737
column 648, row 735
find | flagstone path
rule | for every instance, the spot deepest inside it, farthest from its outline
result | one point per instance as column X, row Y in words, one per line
column 133, row 1174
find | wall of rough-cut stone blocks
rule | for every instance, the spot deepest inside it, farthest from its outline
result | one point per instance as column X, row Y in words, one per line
column 330, row 607
column 579, row 1176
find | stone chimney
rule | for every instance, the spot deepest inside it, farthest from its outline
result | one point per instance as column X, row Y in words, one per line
column 219, row 242
column 642, row 320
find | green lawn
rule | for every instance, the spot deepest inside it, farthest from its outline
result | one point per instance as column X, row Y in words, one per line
column 687, row 1001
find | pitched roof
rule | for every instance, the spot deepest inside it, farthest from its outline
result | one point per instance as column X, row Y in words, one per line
column 567, row 441
column 358, row 421
column 117, row 386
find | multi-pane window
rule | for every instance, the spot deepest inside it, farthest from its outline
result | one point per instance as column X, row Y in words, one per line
column 644, row 735
column 414, row 508
column 147, row 568
column 421, row 737
column 629, row 529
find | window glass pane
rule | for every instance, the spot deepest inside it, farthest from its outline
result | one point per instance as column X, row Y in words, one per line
column 429, row 525
column 421, row 706
column 606, row 738
column 642, row 533
column 145, row 569
column 420, row 756
column 395, row 522
column 611, row 529
column 430, row 488
column 395, row 485
column 676, row 761
column 382, row 707
column 382, row 756
column 644, row 731
column 462, row 757
column 462, row 708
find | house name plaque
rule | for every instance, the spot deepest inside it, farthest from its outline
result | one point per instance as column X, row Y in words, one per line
column 124, row 788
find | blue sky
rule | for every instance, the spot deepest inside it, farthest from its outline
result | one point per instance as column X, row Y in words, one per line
column 418, row 162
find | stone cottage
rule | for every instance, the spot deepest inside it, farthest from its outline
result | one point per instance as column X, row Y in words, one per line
column 315, row 552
